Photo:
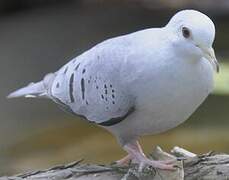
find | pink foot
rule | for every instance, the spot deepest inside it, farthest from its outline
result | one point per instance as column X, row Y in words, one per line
column 137, row 155
column 167, row 161
column 124, row 161
column 144, row 162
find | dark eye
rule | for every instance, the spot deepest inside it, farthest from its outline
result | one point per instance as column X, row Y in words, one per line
column 186, row 32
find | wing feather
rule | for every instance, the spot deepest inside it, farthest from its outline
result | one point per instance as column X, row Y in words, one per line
column 91, row 84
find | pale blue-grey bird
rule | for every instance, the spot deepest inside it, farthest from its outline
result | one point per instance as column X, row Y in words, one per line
column 137, row 84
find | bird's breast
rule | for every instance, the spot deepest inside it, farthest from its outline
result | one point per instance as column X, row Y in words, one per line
column 170, row 94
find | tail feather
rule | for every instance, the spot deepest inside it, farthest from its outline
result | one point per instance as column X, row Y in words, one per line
column 39, row 89
column 32, row 90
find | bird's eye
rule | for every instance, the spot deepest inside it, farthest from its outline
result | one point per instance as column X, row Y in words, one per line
column 186, row 32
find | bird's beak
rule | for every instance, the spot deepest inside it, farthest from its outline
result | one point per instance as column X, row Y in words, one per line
column 209, row 54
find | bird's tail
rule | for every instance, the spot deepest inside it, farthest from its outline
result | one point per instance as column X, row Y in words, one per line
column 38, row 89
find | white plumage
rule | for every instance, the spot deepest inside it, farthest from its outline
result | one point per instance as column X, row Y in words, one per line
column 141, row 83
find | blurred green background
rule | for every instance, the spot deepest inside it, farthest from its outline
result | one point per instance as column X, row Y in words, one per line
column 39, row 36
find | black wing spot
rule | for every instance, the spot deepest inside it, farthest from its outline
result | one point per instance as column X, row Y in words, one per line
column 102, row 96
column 113, row 96
column 86, row 102
column 113, row 102
column 88, row 81
column 66, row 69
column 97, row 87
column 82, row 88
column 105, row 86
column 77, row 67
column 117, row 120
column 106, row 91
column 71, row 88
column 84, row 70
column 111, row 86
column 112, row 90
column 106, row 99
column 57, row 85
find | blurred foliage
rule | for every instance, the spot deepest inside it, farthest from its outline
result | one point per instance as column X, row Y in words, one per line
column 11, row 6
column 221, row 7
column 222, row 80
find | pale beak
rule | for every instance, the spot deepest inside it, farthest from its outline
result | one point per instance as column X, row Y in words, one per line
column 209, row 54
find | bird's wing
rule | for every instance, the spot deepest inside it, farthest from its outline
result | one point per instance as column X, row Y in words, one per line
column 91, row 84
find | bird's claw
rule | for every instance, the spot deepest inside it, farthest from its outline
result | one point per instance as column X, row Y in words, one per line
column 170, row 161
column 163, row 165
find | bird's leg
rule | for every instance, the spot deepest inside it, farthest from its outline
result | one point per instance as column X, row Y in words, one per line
column 136, row 154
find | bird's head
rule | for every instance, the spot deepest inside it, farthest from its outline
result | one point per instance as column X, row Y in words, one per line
column 195, row 33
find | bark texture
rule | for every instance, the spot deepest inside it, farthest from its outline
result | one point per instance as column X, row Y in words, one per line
column 189, row 167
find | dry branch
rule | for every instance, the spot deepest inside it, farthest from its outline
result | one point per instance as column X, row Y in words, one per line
column 190, row 167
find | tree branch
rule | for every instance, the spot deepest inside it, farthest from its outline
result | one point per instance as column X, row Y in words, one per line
column 189, row 166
